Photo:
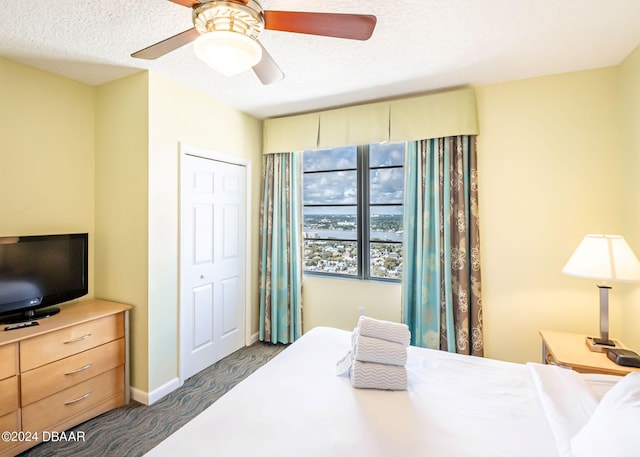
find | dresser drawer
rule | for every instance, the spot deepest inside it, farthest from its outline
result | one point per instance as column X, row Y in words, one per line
column 8, row 395
column 9, row 423
column 8, row 360
column 56, row 376
column 46, row 413
column 40, row 350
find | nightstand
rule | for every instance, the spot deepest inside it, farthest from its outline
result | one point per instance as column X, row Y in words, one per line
column 570, row 350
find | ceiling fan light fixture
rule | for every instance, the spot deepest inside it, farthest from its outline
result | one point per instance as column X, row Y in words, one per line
column 226, row 34
column 228, row 52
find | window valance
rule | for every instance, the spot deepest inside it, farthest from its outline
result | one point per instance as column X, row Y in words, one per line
column 428, row 116
column 292, row 133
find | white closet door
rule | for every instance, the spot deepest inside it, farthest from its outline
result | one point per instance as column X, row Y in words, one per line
column 213, row 262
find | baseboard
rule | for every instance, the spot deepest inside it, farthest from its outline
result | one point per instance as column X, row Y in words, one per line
column 149, row 398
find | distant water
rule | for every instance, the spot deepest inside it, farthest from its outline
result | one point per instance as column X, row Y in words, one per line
column 351, row 235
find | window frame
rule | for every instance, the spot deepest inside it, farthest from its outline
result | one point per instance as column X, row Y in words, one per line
column 363, row 217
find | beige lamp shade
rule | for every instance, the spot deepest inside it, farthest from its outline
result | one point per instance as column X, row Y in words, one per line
column 606, row 258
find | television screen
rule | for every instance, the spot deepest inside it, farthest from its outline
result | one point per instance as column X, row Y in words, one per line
column 40, row 271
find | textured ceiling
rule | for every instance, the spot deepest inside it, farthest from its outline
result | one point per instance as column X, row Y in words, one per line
column 417, row 46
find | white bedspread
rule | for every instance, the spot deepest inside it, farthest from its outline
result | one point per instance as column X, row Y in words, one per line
column 455, row 406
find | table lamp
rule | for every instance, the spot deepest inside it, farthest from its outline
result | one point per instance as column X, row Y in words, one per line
column 605, row 258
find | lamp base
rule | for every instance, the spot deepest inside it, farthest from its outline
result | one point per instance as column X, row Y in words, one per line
column 600, row 345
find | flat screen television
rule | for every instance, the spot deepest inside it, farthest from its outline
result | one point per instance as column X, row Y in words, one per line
column 37, row 272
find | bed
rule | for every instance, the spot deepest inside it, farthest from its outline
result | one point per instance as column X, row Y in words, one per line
column 455, row 406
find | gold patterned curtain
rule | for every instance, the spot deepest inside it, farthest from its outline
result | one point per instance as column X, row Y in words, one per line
column 442, row 301
column 280, row 249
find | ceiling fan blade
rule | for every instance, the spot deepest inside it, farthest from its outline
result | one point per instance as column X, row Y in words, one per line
column 267, row 70
column 192, row 3
column 350, row 26
column 166, row 46
column 188, row 3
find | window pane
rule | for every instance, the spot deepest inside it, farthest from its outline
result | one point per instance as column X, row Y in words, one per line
column 386, row 260
column 330, row 159
column 330, row 222
column 332, row 187
column 381, row 155
column 386, row 185
column 385, row 223
column 331, row 257
column 332, row 199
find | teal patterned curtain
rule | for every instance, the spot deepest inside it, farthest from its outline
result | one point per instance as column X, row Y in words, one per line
column 280, row 249
column 441, row 299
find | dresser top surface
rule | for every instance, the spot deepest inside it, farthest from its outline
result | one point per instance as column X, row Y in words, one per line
column 70, row 314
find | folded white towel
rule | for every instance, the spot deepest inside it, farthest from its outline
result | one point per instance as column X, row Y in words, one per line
column 344, row 364
column 368, row 375
column 384, row 330
column 367, row 349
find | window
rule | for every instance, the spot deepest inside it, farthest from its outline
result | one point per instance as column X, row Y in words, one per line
column 352, row 198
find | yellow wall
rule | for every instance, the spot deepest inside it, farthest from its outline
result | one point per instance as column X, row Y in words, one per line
column 178, row 114
column 332, row 302
column 46, row 154
column 630, row 122
column 142, row 121
column 559, row 157
column 121, row 207
column 105, row 161
column 549, row 166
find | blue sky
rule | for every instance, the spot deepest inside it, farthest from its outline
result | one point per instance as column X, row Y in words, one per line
column 341, row 187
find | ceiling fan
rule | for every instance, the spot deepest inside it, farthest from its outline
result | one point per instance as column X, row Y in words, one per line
column 226, row 34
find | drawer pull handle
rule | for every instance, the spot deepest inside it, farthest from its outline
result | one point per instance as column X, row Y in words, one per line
column 78, row 399
column 86, row 367
column 75, row 340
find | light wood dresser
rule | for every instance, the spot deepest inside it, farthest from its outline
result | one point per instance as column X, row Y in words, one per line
column 71, row 367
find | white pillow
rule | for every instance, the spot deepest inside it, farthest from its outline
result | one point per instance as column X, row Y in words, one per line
column 613, row 428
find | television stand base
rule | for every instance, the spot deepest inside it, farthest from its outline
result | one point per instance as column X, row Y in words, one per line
column 30, row 315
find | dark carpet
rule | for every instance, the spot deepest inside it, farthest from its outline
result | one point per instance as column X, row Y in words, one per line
column 134, row 429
